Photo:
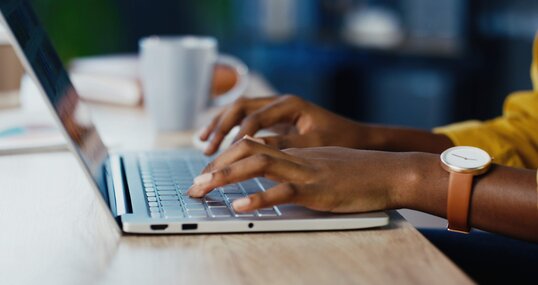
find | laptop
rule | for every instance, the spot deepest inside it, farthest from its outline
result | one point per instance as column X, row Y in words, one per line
column 145, row 192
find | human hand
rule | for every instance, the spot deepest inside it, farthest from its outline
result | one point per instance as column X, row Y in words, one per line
column 298, row 122
column 333, row 179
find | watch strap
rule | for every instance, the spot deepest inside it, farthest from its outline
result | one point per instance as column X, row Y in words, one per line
column 458, row 204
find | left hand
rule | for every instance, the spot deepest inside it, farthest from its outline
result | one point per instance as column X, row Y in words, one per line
column 333, row 179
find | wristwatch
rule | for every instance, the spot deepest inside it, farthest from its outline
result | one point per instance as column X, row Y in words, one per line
column 463, row 163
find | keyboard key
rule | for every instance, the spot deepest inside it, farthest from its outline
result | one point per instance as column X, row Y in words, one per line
column 250, row 184
column 266, row 183
column 232, row 197
column 214, row 196
column 167, row 192
column 166, row 188
column 253, row 190
column 152, row 199
column 154, row 209
column 169, row 198
column 189, row 200
column 150, row 194
column 150, row 189
column 172, row 215
column 170, row 203
column 197, row 214
column 247, row 214
column 216, row 204
column 267, row 213
column 171, row 208
column 155, row 214
column 148, row 185
column 153, row 204
column 220, row 212
column 194, row 207
column 232, row 189
column 161, row 176
column 184, row 191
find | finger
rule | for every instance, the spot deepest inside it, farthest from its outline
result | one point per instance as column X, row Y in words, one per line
column 281, row 194
column 258, row 140
column 259, row 165
column 227, row 121
column 232, row 117
column 292, row 141
column 243, row 149
column 283, row 110
column 204, row 136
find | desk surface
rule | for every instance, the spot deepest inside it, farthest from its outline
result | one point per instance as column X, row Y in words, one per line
column 54, row 232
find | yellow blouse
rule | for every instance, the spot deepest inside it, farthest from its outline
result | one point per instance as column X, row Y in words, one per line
column 511, row 139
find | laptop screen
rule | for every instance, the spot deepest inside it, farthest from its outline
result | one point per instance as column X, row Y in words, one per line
column 45, row 64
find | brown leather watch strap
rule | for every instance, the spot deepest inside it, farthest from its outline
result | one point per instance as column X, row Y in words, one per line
column 459, row 198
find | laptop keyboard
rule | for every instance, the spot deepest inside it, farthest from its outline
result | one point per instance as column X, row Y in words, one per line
column 166, row 179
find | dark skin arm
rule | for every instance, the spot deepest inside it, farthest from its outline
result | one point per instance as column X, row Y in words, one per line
column 406, row 139
column 303, row 124
column 503, row 201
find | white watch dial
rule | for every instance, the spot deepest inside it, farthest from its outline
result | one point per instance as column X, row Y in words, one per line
column 465, row 157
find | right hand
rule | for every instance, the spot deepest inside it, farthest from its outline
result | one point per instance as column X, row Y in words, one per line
column 332, row 179
column 298, row 123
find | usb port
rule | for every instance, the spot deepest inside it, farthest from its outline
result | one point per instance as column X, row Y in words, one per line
column 187, row 227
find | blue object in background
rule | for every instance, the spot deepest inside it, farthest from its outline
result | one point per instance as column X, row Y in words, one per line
column 410, row 97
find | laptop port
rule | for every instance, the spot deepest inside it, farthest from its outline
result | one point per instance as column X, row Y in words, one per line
column 187, row 227
column 159, row 227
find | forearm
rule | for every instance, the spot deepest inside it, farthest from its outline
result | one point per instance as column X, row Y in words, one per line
column 504, row 200
column 404, row 139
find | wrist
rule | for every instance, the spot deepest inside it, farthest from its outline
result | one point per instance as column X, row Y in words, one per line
column 368, row 137
column 422, row 184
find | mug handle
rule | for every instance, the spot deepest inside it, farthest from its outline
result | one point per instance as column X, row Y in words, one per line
column 242, row 80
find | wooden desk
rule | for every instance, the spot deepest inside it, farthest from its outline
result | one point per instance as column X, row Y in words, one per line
column 53, row 232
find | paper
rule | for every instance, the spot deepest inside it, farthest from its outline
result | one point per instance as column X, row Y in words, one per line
column 31, row 138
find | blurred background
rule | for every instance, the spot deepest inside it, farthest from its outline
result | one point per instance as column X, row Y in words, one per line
column 418, row 63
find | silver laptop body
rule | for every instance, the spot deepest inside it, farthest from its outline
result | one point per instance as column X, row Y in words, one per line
column 145, row 192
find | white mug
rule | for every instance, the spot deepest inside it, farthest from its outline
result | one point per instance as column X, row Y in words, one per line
column 177, row 72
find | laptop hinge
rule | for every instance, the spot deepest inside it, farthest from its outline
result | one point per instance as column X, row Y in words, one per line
column 121, row 201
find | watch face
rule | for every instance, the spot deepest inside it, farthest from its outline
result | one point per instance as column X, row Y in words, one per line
column 465, row 158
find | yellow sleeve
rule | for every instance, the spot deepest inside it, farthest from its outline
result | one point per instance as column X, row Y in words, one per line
column 534, row 66
column 511, row 139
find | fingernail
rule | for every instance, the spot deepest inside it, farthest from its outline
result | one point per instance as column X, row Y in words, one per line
column 195, row 191
column 202, row 179
column 206, row 129
column 205, row 132
column 241, row 203
column 211, row 147
column 191, row 190
column 258, row 140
